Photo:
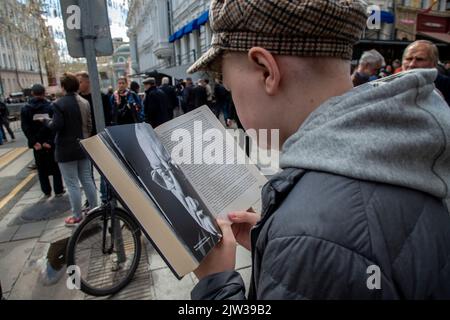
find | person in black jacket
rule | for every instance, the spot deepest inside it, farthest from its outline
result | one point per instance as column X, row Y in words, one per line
column 171, row 95
column 222, row 100
column 41, row 140
column 72, row 122
column 200, row 94
column 4, row 122
column 156, row 104
column 358, row 210
column 188, row 96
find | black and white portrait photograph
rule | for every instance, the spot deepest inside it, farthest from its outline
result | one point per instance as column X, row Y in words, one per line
column 166, row 184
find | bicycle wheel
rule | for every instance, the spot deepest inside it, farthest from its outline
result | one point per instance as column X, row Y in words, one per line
column 106, row 263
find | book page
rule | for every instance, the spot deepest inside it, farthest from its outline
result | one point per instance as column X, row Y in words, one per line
column 226, row 184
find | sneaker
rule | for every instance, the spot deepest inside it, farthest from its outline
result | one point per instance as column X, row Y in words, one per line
column 50, row 276
column 47, row 195
column 72, row 221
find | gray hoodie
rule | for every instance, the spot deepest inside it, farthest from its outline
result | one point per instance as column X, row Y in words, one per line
column 395, row 131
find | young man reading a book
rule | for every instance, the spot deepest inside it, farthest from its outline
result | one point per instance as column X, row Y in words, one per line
column 358, row 210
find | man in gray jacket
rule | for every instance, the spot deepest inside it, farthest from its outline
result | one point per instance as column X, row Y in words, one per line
column 358, row 211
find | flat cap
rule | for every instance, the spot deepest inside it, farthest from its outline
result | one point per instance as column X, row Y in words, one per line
column 304, row 28
column 149, row 80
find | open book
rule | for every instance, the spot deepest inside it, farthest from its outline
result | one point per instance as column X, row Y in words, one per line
column 176, row 194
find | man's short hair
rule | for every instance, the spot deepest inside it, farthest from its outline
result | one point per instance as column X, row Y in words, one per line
column 165, row 80
column 70, row 82
column 433, row 50
column 83, row 74
column 38, row 90
column 372, row 58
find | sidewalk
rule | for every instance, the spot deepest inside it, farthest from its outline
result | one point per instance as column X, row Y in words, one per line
column 34, row 223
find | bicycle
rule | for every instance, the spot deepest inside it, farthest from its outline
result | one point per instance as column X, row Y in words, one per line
column 106, row 247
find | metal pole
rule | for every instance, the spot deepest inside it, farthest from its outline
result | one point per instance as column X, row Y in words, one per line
column 89, row 37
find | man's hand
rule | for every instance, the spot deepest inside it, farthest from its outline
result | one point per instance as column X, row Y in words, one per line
column 223, row 257
column 37, row 146
column 243, row 222
column 47, row 146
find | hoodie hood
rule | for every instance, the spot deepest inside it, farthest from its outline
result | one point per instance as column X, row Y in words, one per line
column 36, row 103
column 395, row 131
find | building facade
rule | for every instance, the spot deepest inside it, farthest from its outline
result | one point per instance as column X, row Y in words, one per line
column 22, row 59
column 121, row 62
column 167, row 35
column 148, row 31
column 421, row 19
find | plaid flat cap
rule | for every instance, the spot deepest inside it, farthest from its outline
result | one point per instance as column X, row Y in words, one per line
column 314, row 28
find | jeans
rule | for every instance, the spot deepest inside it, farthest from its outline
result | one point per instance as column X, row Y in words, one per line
column 73, row 173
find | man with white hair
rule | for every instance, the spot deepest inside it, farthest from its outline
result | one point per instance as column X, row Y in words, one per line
column 171, row 95
column 369, row 64
column 425, row 54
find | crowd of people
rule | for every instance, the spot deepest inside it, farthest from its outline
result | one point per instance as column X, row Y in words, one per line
column 53, row 128
column 54, row 139
column 419, row 54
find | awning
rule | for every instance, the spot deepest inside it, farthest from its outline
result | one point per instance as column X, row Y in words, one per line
column 191, row 26
column 386, row 16
column 203, row 18
column 440, row 36
column 177, row 35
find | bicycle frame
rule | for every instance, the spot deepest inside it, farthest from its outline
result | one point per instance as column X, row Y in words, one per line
column 115, row 231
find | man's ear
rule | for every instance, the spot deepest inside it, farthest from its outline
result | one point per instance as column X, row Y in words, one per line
column 270, row 72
